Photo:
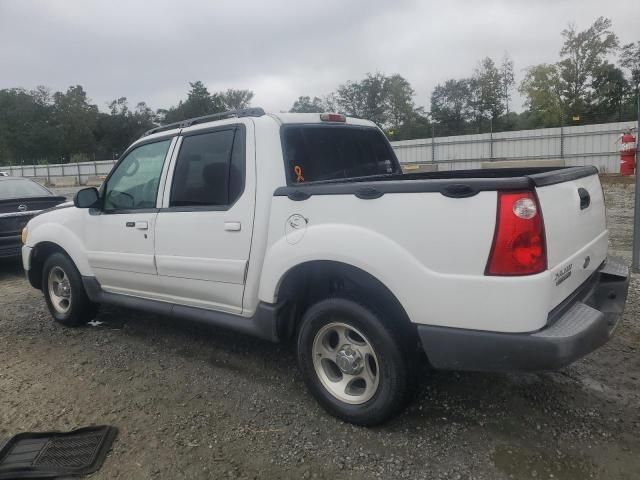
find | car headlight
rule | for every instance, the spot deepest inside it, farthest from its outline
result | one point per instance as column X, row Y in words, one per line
column 23, row 235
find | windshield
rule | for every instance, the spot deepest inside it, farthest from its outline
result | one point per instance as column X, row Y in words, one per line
column 323, row 152
column 21, row 188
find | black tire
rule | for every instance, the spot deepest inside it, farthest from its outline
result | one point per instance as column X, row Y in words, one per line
column 393, row 368
column 80, row 308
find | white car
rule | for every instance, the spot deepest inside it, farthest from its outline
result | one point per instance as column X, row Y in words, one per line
column 4, row 174
column 302, row 227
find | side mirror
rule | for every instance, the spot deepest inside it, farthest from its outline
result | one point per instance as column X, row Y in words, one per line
column 86, row 198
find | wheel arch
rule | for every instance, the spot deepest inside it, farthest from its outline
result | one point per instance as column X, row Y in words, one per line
column 309, row 282
column 46, row 236
column 39, row 254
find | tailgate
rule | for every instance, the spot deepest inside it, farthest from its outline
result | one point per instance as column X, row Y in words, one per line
column 576, row 232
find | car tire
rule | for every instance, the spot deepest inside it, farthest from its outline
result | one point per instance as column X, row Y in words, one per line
column 64, row 292
column 353, row 363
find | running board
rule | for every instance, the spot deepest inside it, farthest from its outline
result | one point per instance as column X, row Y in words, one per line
column 263, row 324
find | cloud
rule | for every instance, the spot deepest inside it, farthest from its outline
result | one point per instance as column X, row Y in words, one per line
column 280, row 49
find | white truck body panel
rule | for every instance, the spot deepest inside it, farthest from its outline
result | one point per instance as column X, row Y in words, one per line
column 202, row 256
column 573, row 234
column 428, row 249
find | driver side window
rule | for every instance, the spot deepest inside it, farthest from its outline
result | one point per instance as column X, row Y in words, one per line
column 134, row 183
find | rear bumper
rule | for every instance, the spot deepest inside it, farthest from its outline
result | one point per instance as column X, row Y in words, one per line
column 582, row 323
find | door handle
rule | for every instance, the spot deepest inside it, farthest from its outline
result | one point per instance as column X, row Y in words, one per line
column 232, row 226
column 138, row 225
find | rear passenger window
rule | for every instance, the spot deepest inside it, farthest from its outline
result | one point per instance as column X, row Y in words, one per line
column 209, row 170
column 318, row 152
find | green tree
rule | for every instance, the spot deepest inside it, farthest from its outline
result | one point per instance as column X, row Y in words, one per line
column 199, row 102
column 401, row 109
column 610, row 90
column 451, row 106
column 76, row 119
column 307, row 105
column 365, row 99
column 542, row 90
column 582, row 82
column 583, row 54
column 234, row 99
column 507, row 80
column 630, row 60
column 385, row 100
column 27, row 132
column 488, row 86
column 115, row 131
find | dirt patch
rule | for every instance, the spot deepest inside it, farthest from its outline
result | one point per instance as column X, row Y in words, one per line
column 194, row 402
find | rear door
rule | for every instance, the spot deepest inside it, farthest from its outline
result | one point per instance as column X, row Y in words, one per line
column 576, row 232
column 203, row 231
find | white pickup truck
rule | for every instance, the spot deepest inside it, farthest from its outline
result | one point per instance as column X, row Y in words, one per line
column 302, row 227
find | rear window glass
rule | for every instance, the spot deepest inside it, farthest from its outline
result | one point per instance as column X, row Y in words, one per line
column 20, row 188
column 209, row 170
column 314, row 153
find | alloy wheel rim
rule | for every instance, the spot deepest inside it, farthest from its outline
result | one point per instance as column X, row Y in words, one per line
column 346, row 363
column 59, row 290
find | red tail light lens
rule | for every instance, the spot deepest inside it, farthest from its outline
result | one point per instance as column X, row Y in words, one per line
column 519, row 246
column 332, row 117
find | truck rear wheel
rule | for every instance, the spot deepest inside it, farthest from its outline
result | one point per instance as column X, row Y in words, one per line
column 352, row 362
column 64, row 293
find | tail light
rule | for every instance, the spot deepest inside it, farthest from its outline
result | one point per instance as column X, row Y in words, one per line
column 332, row 117
column 519, row 246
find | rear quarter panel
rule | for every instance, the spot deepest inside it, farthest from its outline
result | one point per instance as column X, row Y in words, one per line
column 428, row 249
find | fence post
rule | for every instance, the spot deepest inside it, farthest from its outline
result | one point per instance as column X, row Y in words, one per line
column 48, row 173
column 562, row 136
column 433, row 142
column 79, row 179
column 491, row 138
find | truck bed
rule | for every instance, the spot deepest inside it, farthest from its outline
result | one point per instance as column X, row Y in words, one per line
column 455, row 183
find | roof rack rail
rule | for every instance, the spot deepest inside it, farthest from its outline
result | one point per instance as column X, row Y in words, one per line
column 243, row 112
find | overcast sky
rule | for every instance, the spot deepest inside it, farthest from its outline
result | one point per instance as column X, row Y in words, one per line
column 150, row 50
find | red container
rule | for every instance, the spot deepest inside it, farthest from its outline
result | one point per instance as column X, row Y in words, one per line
column 628, row 154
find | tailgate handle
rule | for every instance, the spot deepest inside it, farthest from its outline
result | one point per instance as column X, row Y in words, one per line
column 458, row 190
column 585, row 198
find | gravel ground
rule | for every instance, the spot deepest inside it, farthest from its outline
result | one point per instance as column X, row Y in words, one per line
column 195, row 402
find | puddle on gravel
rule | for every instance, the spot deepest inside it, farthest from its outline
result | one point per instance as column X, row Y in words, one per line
column 523, row 463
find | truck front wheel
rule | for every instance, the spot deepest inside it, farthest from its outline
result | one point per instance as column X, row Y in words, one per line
column 64, row 292
column 352, row 362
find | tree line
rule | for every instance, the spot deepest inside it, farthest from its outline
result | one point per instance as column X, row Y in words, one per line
column 582, row 87
column 37, row 126
column 595, row 80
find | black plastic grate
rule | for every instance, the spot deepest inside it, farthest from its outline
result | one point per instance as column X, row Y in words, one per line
column 72, row 452
column 55, row 454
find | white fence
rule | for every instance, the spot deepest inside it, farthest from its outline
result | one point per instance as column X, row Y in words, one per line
column 585, row 145
column 80, row 173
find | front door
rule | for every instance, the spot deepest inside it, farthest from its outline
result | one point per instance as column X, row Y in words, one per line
column 119, row 236
column 203, row 231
